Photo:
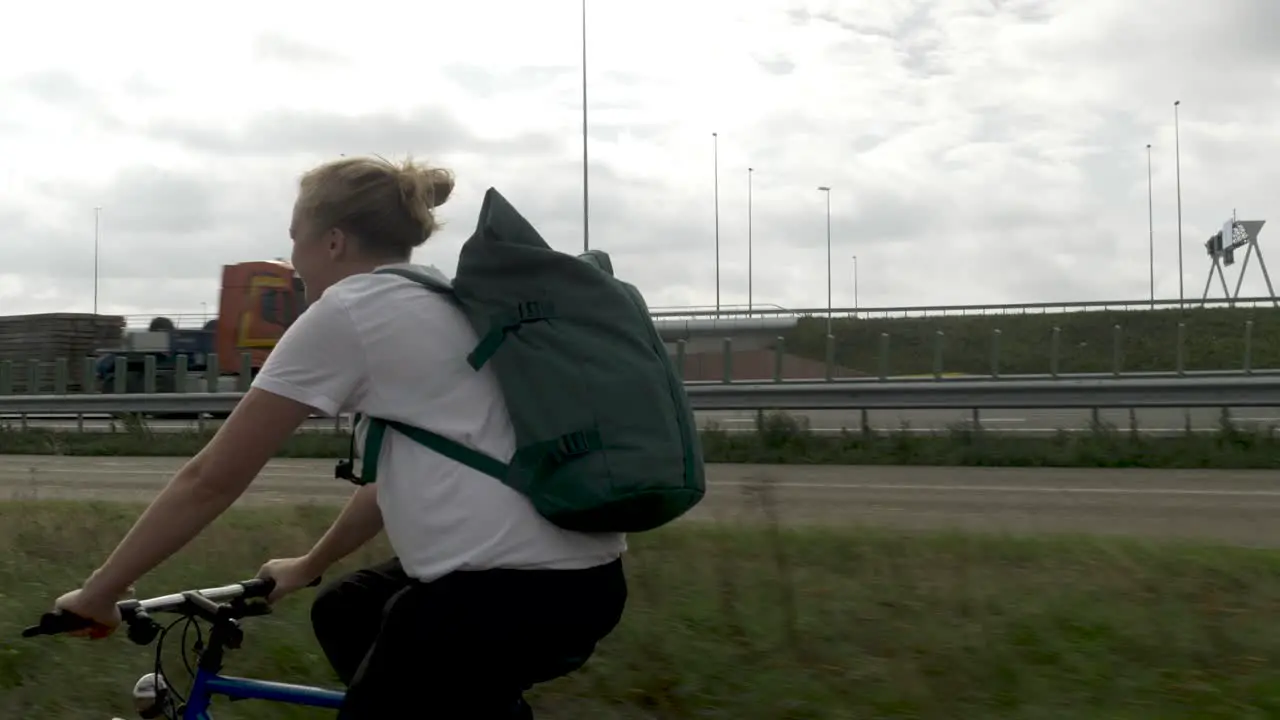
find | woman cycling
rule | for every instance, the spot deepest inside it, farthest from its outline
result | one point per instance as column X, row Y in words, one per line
column 484, row 597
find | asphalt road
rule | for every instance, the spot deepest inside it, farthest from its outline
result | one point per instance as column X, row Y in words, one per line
column 1154, row 421
column 1241, row 507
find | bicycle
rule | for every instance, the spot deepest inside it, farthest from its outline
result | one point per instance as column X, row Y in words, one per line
column 223, row 608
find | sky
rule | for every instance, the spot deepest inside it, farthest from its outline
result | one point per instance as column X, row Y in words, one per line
column 977, row 151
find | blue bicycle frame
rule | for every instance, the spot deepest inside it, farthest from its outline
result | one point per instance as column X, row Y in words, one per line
column 209, row 685
column 210, row 682
column 225, row 634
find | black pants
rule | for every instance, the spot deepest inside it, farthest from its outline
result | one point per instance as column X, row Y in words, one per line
column 466, row 645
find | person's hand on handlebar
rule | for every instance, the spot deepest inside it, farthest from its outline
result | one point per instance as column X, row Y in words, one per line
column 92, row 604
column 290, row 574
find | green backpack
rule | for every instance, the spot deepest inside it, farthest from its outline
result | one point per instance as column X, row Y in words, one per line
column 605, row 436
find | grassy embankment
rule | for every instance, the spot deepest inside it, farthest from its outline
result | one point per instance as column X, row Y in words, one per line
column 783, row 439
column 1214, row 340
column 746, row 624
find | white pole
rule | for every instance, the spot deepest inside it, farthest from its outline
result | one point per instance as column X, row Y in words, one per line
column 715, row 144
column 586, row 242
column 1177, row 154
column 749, row 268
column 97, row 222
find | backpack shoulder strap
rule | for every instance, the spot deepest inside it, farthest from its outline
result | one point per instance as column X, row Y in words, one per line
column 429, row 282
column 451, row 449
column 378, row 427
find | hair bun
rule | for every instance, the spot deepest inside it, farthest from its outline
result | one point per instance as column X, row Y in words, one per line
column 427, row 186
column 422, row 189
column 441, row 182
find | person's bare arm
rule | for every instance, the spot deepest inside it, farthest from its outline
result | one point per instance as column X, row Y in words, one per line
column 205, row 487
column 358, row 523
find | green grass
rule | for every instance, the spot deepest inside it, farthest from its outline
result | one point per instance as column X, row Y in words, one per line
column 784, row 438
column 747, row 624
column 1214, row 340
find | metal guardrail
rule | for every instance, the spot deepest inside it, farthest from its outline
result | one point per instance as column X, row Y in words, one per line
column 25, row 379
column 198, row 319
column 945, row 394
column 964, row 394
column 954, row 310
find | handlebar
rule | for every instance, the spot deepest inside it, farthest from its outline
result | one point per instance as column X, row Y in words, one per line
column 211, row 603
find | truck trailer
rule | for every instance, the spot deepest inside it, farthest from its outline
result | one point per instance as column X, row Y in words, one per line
column 257, row 302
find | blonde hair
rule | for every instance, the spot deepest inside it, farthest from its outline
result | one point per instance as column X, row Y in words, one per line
column 387, row 207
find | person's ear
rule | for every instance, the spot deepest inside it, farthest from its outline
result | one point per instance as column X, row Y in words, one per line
column 337, row 243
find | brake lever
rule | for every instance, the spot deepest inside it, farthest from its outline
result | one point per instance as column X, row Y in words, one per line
column 248, row 607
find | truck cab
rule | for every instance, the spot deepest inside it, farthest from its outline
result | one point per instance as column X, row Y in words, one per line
column 259, row 301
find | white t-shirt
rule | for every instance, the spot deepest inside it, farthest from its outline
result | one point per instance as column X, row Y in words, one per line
column 383, row 345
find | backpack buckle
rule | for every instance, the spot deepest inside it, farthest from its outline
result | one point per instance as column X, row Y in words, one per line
column 533, row 310
column 574, row 444
column 346, row 470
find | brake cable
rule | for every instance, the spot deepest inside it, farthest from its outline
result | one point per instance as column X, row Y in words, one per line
column 159, row 672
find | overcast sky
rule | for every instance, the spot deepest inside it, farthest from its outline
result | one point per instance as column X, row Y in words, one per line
column 977, row 150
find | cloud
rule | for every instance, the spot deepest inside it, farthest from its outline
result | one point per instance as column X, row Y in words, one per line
column 488, row 82
column 977, row 150
column 776, row 65
column 284, row 133
column 58, row 87
column 275, row 47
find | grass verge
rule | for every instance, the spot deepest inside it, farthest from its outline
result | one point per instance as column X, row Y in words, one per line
column 746, row 625
column 782, row 438
column 1143, row 340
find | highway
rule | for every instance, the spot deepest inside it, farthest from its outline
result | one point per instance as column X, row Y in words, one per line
column 1241, row 507
column 1030, row 422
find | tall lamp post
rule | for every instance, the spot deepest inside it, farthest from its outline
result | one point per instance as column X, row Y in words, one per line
column 715, row 153
column 750, row 171
column 586, row 243
column 855, row 285
column 827, row 191
column 97, row 221
column 1177, row 155
column 1151, row 231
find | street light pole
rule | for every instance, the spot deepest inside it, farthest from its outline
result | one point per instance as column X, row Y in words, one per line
column 586, row 243
column 1177, row 155
column 1151, row 231
column 855, row 285
column 715, row 150
column 97, row 215
column 827, row 190
column 750, row 171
